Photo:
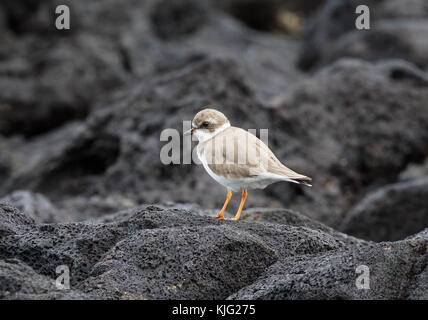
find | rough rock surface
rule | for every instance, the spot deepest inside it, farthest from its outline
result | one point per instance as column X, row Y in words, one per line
column 34, row 205
column 49, row 77
column 156, row 253
column 390, row 213
column 352, row 120
column 333, row 275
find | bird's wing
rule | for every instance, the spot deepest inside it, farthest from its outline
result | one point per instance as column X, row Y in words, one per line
column 232, row 154
column 284, row 171
column 238, row 153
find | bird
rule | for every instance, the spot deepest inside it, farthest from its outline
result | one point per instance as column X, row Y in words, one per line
column 237, row 159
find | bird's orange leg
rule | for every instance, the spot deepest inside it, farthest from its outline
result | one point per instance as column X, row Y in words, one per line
column 244, row 197
column 221, row 214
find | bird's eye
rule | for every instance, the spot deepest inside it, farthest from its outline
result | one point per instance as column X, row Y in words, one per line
column 205, row 124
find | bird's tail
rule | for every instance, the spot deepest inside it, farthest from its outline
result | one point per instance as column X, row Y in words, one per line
column 289, row 175
column 305, row 183
column 303, row 180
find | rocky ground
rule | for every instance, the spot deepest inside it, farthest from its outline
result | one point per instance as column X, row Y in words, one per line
column 82, row 185
column 154, row 252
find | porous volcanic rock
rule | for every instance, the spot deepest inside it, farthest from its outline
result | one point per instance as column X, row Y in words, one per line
column 390, row 213
column 152, row 252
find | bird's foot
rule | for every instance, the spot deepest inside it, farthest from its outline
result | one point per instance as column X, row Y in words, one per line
column 219, row 216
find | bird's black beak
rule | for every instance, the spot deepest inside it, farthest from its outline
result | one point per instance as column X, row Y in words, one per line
column 191, row 131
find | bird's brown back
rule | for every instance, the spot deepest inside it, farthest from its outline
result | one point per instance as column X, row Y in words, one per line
column 236, row 153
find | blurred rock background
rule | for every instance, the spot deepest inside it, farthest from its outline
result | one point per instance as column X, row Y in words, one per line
column 81, row 111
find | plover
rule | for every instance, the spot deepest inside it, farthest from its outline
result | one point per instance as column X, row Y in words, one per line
column 236, row 158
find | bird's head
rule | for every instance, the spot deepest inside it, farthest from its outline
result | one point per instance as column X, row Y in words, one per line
column 207, row 123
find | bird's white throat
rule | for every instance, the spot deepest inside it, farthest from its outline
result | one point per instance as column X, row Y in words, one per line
column 204, row 135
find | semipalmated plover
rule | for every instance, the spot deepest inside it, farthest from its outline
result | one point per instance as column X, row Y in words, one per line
column 236, row 158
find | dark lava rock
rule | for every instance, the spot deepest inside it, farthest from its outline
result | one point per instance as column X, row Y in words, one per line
column 157, row 253
column 333, row 275
column 390, row 213
column 13, row 221
column 174, row 19
column 18, row 279
column 289, row 217
column 124, row 75
column 352, row 121
column 49, row 77
column 46, row 82
column 33, row 205
column 397, row 30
